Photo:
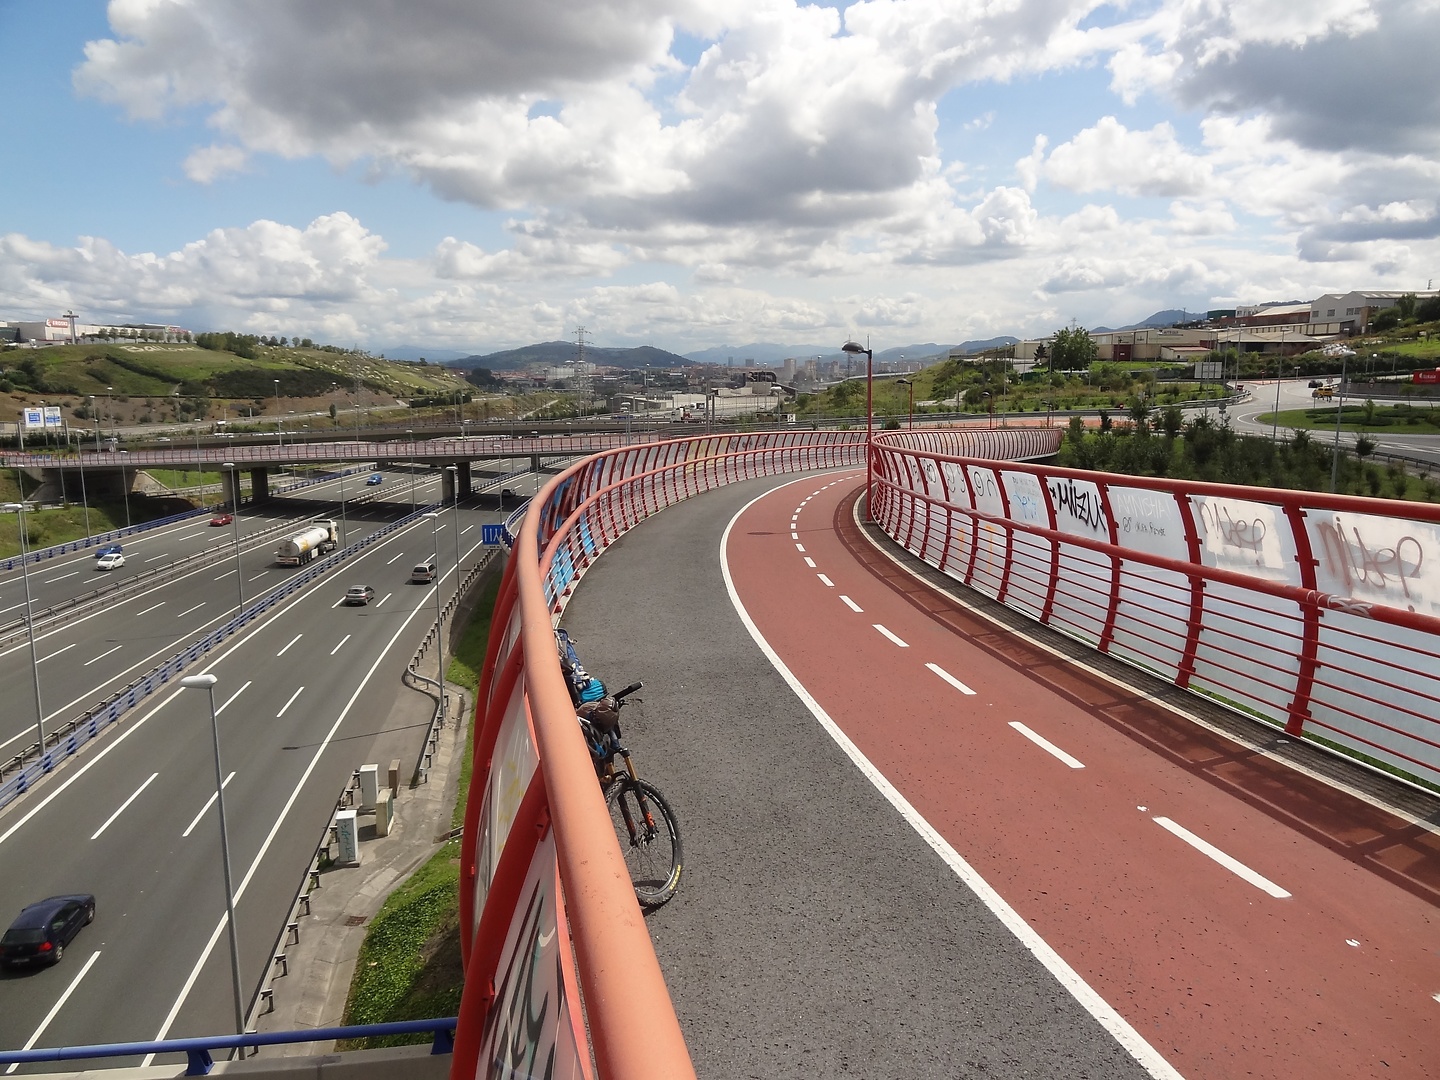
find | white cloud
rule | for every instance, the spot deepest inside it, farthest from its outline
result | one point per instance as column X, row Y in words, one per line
column 1109, row 157
column 207, row 164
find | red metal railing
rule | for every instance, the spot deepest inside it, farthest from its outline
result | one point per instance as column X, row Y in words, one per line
column 1317, row 613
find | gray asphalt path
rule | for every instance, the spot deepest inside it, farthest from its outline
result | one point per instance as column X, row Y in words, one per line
column 814, row 934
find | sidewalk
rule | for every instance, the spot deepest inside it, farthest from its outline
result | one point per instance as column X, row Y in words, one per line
column 312, row 993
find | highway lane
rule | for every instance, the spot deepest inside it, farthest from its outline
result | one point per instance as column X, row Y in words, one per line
column 158, row 889
column 84, row 659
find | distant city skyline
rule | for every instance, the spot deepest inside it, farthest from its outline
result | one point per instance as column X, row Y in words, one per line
column 689, row 174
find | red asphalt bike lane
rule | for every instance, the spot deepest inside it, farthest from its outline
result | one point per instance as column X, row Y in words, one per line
column 1341, row 977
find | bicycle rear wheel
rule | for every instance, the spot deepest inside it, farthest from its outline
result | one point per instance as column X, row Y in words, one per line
column 649, row 838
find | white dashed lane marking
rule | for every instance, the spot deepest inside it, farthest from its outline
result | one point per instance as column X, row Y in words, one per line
column 1235, row 866
column 1046, row 745
column 851, row 604
column 825, row 581
column 809, row 562
column 892, row 637
column 956, row 683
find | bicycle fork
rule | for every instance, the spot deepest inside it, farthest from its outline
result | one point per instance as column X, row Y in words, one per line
column 650, row 827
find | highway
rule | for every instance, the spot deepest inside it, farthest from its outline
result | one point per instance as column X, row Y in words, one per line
column 305, row 696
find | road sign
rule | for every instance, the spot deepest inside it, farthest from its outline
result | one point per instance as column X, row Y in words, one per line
column 492, row 534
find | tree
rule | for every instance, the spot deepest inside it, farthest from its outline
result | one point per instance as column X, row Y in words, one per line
column 1406, row 303
column 1428, row 310
column 332, row 411
column 1072, row 349
column 1385, row 319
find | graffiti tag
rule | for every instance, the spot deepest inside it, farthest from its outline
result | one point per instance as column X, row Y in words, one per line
column 1243, row 534
column 1352, row 559
column 1080, row 501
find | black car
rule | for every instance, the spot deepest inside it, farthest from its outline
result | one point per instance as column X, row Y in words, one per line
column 44, row 928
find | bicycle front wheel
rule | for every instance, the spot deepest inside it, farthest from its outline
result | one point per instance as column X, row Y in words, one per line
column 649, row 838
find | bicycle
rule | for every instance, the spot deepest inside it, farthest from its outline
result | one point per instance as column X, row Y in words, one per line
column 644, row 822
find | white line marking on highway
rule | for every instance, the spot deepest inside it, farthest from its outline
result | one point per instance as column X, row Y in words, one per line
column 1235, row 866
column 57, row 652
column 1119, row 1028
column 62, row 577
column 291, row 701
column 851, row 604
column 102, row 656
column 383, row 599
column 292, row 641
column 1046, row 745
column 892, row 637
column 826, row 581
column 261, row 574
column 57, row 1006
column 124, row 806
column 466, row 529
column 149, row 609
column 809, row 562
column 233, row 696
column 208, row 803
column 12, row 607
column 157, row 558
column 397, row 555
column 274, row 830
column 337, row 648
column 956, row 683
column 197, row 607
column 223, row 576
column 96, row 577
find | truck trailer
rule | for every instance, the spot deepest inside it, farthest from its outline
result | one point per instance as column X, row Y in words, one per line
column 320, row 538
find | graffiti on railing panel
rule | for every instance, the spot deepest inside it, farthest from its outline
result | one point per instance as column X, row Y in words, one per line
column 530, row 1030
column 1027, row 500
column 1249, row 537
column 1079, row 508
column 1376, row 559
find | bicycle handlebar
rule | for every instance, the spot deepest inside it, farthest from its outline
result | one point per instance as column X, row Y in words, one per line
column 620, row 695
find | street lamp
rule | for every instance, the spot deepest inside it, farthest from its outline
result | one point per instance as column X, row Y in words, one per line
column 855, row 348
column 84, row 499
column 109, row 412
column 454, row 472
column 207, row 683
column 410, row 438
column 1339, row 412
column 991, row 398
column 19, row 509
column 234, row 494
column 344, row 526
column 279, row 434
column 911, row 385
column 434, row 517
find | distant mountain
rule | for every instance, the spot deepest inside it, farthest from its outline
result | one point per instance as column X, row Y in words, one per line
column 987, row 343
column 1168, row 317
column 411, row 353
column 555, row 353
column 759, row 354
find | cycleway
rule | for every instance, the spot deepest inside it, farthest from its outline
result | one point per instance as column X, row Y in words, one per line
column 1181, row 903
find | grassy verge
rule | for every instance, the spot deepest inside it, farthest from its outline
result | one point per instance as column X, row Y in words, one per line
column 409, row 966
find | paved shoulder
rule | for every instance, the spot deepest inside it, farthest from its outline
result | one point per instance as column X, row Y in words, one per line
column 814, row 934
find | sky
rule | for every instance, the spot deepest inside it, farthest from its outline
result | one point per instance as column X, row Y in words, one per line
column 481, row 174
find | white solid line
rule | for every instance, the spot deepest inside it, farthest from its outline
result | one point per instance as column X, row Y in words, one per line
column 123, row 806
column 826, row 581
column 149, row 609
column 57, row 1006
column 956, row 683
column 197, row 607
column 1104, row 1013
column 233, row 696
column 851, row 604
column 294, row 639
column 289, row 703
column 208, row 803
column 270, row 838
column 337, row 648
column 1046, row 745
column 1235, row 866
column 892, row 637
column 809, row 562
column 102, row 656
column 57, row 652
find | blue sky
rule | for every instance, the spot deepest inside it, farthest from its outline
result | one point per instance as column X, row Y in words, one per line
column 467, row 174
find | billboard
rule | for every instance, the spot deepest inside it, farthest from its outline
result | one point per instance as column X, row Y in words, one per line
column 41, row 416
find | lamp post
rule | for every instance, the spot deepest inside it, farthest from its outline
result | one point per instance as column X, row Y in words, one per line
column 454, row 472
column 1339, row 412
column 439, row 613
column 991, row 402
column 207, row 683
column 1275, row 418
column 911, row 385
column 410, row 438
column 344, row 526
column 84, row 498
column 854, row 348
column 234, row 494
column 279, row 434
column 109, row 412
column 19, row 509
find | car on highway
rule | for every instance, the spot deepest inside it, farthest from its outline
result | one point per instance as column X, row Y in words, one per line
column 507, row 493
column 113, row 561
column 375, row 478
column 222, row 519
column 359, row 594
column 108, row 549
column 44, row 928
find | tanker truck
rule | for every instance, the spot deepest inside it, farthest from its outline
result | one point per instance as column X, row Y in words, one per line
column 321, row 537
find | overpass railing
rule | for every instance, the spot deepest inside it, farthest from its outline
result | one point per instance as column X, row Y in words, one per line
column 547, row 908
column 1315, row 613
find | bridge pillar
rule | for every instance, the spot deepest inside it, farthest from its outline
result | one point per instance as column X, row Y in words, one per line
column 259, row 485
column 231, row 480
column 447, row 486
column 535, row 463
column 465, row 482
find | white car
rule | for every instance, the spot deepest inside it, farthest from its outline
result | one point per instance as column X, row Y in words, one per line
column 112, row 561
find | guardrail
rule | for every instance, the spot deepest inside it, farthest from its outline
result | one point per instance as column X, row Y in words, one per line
column 70, row 737
column 1314, row 613
column 199, row 1053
